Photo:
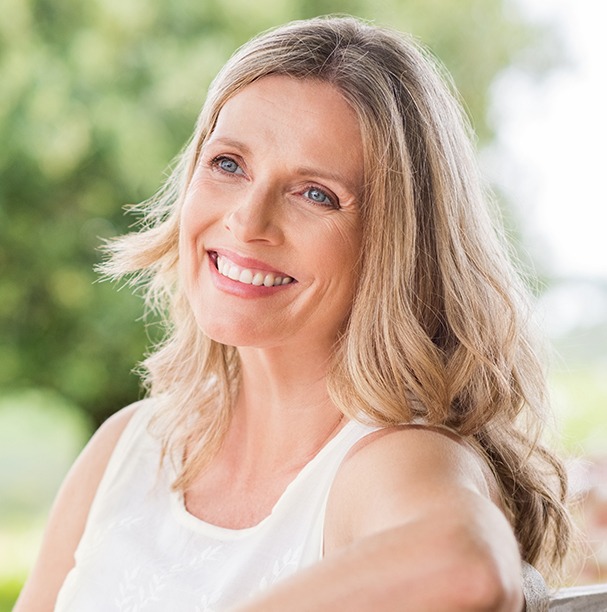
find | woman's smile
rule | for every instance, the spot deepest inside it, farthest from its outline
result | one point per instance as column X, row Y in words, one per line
column 270, row 227
column 228, row 268
column 244, row 277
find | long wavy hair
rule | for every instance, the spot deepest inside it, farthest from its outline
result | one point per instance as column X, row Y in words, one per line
column 439, row 326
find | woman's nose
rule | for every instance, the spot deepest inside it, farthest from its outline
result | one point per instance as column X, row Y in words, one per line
column 254, row 217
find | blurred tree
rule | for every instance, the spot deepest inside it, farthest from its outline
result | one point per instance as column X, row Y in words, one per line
column 95, row 98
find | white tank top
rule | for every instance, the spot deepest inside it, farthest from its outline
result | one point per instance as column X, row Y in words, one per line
column 142, row 551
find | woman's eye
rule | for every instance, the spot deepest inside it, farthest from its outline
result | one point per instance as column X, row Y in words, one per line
column 318, row 196
column 227, row 165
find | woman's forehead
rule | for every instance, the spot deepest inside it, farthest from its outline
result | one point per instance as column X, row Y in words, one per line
column 280, row 111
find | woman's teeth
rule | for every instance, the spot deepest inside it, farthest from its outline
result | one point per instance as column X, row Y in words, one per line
column 250, row 277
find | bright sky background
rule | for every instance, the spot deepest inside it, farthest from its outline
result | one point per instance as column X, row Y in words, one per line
column 554, row 134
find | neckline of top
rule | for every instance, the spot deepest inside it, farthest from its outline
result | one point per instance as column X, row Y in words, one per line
column 181, row 513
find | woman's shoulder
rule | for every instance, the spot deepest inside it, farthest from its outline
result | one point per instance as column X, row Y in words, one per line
column 98, row 452
column 111, row 430
column 416, row 449
column 396, row 472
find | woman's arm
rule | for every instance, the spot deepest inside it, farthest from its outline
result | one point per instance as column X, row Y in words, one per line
column 68, row 517
column 410, row 525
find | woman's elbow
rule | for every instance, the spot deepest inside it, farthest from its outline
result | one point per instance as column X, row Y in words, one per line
column 484, row 585
column 477, row 572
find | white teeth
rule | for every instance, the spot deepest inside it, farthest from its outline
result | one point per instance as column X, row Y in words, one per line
column 234, row 273
column 246, row 277
column 250, row 277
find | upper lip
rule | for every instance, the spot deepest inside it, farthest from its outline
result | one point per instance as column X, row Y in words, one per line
column 248, row 262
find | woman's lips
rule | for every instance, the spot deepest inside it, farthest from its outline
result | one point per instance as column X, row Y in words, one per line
column 247, row 271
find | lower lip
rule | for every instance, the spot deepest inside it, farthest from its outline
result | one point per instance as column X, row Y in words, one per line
column 227, row 285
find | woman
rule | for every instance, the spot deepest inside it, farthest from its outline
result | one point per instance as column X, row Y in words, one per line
column 346, row 408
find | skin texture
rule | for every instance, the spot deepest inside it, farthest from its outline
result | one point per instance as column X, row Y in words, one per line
column 411, row 522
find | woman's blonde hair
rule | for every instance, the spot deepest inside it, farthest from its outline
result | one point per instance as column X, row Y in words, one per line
column 438, row 328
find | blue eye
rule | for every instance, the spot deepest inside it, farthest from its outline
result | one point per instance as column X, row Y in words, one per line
column 318, row 196
column 227, row 165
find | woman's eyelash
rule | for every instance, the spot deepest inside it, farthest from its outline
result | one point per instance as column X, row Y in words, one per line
column 225, row 164
column 320, row 197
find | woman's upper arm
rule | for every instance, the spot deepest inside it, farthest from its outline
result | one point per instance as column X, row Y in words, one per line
column 431, row 491
column 68, row 517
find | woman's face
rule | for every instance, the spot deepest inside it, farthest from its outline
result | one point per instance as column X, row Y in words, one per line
column 270, row 228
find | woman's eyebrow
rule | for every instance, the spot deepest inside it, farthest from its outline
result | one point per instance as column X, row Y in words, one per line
column 331, row 176
column 227, row 141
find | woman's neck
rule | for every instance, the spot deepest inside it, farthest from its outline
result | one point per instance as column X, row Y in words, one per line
column 282, row 418
column 283, row 414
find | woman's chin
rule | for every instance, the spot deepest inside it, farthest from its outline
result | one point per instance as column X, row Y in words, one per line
column 237, row 334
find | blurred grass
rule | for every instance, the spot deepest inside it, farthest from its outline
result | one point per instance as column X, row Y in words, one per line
column 9, row 591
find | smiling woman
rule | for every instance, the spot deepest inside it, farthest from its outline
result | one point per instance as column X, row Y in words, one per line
column 345, row 411
column 272, row 210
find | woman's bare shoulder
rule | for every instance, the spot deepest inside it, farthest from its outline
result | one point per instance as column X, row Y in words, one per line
column 417, row 453
column 88, row 469
column 69, row 514
column 395, row 474
column 102, row 444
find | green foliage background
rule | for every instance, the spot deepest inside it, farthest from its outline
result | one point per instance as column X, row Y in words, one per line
column 96, row 98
